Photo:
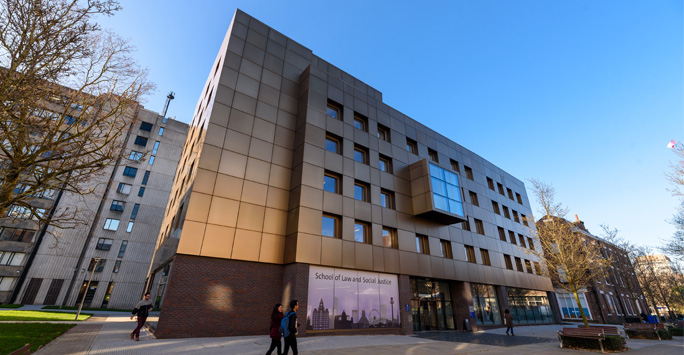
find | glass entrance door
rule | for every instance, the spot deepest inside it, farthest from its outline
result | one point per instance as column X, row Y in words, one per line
column 428, row 313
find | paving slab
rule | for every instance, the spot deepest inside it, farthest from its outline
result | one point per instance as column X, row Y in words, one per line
column 76, row 341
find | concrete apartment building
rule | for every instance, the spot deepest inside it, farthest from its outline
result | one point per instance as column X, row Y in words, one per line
column 614, row 296
column 123, row 220
column 298, row 182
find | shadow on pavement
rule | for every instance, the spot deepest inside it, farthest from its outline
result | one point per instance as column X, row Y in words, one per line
column 482, row 338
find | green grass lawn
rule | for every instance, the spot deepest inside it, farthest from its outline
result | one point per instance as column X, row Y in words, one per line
column 88, row 309
column 15, row 335
column 11, row 305
column 41, row 316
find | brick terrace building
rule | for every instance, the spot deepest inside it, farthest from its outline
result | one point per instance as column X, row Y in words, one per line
column 298, row 182
column 614, row 297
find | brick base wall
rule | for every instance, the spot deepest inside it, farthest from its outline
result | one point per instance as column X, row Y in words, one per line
column 208, row 297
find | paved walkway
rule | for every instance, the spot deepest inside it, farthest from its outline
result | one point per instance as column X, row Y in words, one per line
column 112, row 337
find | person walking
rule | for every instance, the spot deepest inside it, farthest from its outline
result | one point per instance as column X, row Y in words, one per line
column 291, row 339
column 142, row 310
column 508, row 319
column 276, row 317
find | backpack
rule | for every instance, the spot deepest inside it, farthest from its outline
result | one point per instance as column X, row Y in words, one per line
column 285, row 325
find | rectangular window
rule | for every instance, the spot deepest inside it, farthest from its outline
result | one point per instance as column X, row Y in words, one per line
column 111, row 224
column 385, row 164
column 422, row 245
column 332, row 182
column 161, row 131
column 122, row 248
column 479, row 226
column 502, row 234
column 501, row 189
column 334, row 110
column 518, row 264
column 135, row 155
column 11, row 258
column 510, row 193
column 117, row 206
column 490, row 183
column 362, row 232
column 411, row 146
column 17, row 235
column 507, row 214
column 141, row 192
column 151, row 161
column 330, row 226
column 155, row 149
column 145, row 178
column 521, row 239
column 360, row 154
column 537, row 268
column 361, row 191
column 519, row 198
column 387, row 199
column 473, row 198
column 117, row 266
column 360, row 122
column 495, row 207
column 6, row 283
column 507, row 260
column 515, row 216
column 511, row 237
column 470, row 254
column 468, row 172
column 524, row 219
column 445, row 249
column 129, row 228
column 465, row 225
column 433, row 155
column 142, row 141
column 333, row 143
column 104, row 244
column 130, row 171
column 484, row 253
column 145, row 126
column 530, row 243
column 389, row 237
column 528, row 266
column 134, row 213
column 97, row 264
column 384, row 133
column 454, row 166
column 446, row 194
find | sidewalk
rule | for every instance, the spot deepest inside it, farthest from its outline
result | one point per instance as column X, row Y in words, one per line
column 112, row 337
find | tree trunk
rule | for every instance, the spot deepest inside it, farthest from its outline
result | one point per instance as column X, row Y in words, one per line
column 579, row 304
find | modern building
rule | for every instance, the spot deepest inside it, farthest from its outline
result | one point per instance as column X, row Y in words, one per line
column 658, row 276
column 298, row 182
column 614, row 296
column 116, row 241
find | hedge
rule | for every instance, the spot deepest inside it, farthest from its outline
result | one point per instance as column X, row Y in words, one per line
column 612, row 342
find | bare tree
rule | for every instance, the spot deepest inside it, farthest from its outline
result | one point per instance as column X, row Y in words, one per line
column 675, row 245
column 68, row 93
column 658, row 280
column 571, row 258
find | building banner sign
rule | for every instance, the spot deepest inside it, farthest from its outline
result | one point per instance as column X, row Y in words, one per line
column 349, row 299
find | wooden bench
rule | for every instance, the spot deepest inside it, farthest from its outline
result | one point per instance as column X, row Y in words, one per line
column 583, row 333
column 24, row 350
column 607, row 330
column 642, row 327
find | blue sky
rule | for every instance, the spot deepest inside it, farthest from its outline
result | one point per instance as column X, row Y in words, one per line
column 581, row 94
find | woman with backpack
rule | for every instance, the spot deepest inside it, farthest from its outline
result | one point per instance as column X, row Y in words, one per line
column 274, row 333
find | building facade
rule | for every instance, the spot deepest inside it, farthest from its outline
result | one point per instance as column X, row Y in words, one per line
column 116, row 241
column 298, row 182
column 613, row 296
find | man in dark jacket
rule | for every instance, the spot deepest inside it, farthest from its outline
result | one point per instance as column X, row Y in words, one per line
column 291, row 340
column 142, row 309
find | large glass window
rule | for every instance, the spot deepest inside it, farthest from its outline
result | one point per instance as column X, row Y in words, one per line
column 486, row 304
column 331, row 182
column 445, row 191
column 330, row 226
column 361, row 190
column 389, row 237
column 530, row 306
column 333, row 144
column 431, row 305
column 362, row 232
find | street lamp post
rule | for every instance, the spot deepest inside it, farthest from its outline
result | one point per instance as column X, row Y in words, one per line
column 80, row 306
column 392, row 305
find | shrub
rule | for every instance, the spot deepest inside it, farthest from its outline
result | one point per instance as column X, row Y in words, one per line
column 677, row 331
column 612, row 342
column 663, row 333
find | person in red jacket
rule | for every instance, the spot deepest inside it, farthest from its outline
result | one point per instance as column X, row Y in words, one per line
column 274, row 333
